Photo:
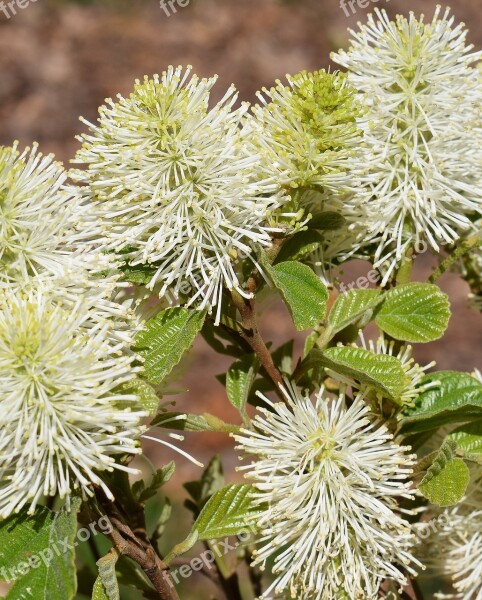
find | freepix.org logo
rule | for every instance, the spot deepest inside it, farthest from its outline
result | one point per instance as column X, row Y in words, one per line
column 350, row 7
column 170, row 6
column 10, row 9
column 58, row 548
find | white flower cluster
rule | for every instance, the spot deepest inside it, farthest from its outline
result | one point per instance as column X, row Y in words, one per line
column 311, row 144
column 65, row 359
column 457, row 546
column 175, row 185
column 329, row 477
column 65, row 407
column 422, row 128
column 307, row 132
column 38, row 237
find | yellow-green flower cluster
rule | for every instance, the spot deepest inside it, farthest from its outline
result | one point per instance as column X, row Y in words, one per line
column 306, row 132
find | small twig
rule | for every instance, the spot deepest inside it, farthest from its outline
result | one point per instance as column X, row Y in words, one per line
column 465, row 246
column 247, row 309
column 252, row 336
column 128, row 544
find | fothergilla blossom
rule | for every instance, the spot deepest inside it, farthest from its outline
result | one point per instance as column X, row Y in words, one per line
column 422, row 128
column 38, row 218
column 328, row 478
column 68, row 409
column 173, row 184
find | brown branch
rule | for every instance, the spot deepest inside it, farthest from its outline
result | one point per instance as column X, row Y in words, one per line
column 128, row 544
column 251, row 334
column 247, row 309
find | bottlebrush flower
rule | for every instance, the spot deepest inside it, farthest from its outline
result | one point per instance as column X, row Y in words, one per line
column 37, row 221
column 310, row 143
column 174, row 184
column 423, row 130
column 457, row 545
column 64, row 414
column 329, row 477
column 307, row 132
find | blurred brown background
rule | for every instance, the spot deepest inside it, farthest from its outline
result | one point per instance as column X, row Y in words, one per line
column 59, row 59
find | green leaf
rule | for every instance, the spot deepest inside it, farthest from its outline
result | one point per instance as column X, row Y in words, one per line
column 106, row 586
column 228, row 512
column 305, row 295
column 283, row 357
column 468, row 438
column 299, row 245
column 383, row 372
column 99, row 593
column 37, row 553
column 161, row 476
column 146, row 394
column 350, row 307
column 239, row 379
column 327, row 221
column 414, row 312
column 310, row 343
column 138, row 274
column 447, row 479
column 457, row 397
column 166, row 338
column 190, row 422
column 165, row 514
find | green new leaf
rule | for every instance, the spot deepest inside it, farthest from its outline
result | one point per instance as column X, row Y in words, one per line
column 146, row 394
column 299, row 246
column 161, row 476
column 447, row 479
column 305, row 295
column 468, row 438
column 327, row 221
column 189, row 422
column 239, row 379
column 283, row 357
column 138, row 274
column 414, row 312
column 211, row 481
column 383, row 372
column 457, row 397
column 106, row 586
column 99, row 592
column 350, row 307
column 228, row 512
column 37, row 553
column 166, row 338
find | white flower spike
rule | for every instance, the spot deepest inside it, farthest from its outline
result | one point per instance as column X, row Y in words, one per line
column 174, row 185
column 38, row 237
column 330, row 477
column 457, row 546
column 64, row 416
column 423, row 130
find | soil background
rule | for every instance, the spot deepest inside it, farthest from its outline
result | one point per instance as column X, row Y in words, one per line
column 60, row 59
